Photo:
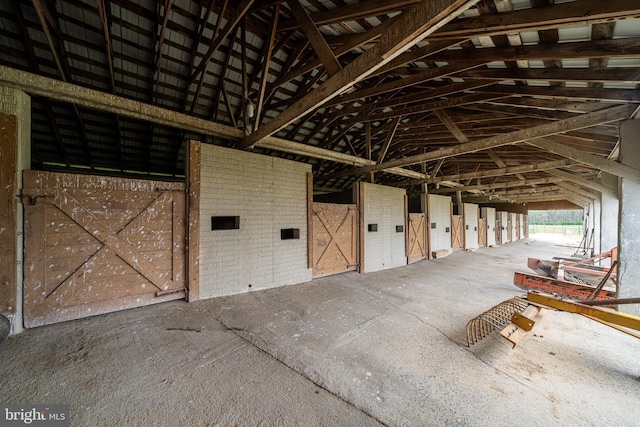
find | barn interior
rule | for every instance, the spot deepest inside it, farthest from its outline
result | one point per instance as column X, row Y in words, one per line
column 199, row 156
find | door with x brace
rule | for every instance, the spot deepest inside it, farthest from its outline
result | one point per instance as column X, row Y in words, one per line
column 97, row 244
column 417, row 237
column 335, row 232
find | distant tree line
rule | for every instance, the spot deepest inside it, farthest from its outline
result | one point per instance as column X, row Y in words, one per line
column 564, row 217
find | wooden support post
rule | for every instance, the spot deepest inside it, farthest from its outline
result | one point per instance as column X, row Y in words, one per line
column 309, row 220
column 361, row 228
column 193, row 166
column 15, row 156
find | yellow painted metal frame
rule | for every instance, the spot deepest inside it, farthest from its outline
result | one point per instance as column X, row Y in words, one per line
column 602, row 313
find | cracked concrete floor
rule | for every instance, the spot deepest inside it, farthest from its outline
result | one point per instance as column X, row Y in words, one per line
column 386, row 348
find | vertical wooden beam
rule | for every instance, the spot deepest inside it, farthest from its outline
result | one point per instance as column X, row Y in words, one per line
column 8, row 213
column 406, row 227
column 309, row 220
column 361, row 227
column 193, row 167
column 367, row 127
column 428, row 225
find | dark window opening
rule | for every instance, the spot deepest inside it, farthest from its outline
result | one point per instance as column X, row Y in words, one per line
column 289, row 233
column 225, row 222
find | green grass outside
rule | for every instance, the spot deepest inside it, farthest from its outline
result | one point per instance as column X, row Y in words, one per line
column 576, row 230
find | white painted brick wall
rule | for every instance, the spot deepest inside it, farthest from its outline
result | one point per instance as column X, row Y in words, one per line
column 514, row 218
column 503, row 216
column 471, row 226
column 268, row 194
column 521, row 224
column 440, row 213
column 385, row 248
column 490, row 216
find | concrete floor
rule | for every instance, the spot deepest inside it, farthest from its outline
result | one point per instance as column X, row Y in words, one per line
column 386, row 348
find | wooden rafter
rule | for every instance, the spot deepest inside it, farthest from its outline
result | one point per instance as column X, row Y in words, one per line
column 267, row 52
column 409, row 28
column 423, row 108
column 104, row 10
column 238, row 14
column 511, row 170
column 525, row 135
column 583, row 12
column 316, row 39
column 350, row 12
column 589, row 75
column 498, row 185
column 388, row 139
column 603, row 164
column 46, row 18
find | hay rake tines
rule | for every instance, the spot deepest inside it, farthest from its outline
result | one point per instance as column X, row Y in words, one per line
column 495, row 318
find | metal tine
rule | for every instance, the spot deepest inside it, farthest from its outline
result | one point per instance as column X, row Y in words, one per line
column 495, row 318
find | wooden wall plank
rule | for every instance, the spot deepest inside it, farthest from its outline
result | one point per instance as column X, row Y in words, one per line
column 8, row 213
column 193, row 165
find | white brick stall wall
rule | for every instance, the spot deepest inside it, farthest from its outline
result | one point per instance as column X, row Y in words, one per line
column 268, row 194
column 521, row 220
column 471, row 226
column 385, row 248
column 514, row 219
column 503, row 216
column 490, row 216
column 440, row 214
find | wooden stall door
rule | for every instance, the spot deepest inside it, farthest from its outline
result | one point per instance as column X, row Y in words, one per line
column 95, row 244
column 482, row 232
column 509, row 231
column 517, row 230
column 498, row 232
column 457, row 232
column 417, row 237
column 335, row 236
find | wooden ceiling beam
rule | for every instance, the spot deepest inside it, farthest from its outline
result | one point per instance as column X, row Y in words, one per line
column 555, row 16
column 267, row 52
column 509, row 170
column 502, row 185
column 451, row 125
column 46, row 18
column 422, row 96
column 623, row 75
column 593, row 94
column 558, row 195
column 421, row 77
column 617, row 48
column 350, row 12
column 598, row 162
column 576, row 189
column 316, row 38
column 388, row 139
column 464, row 60
column 232, row 23
column 407, row 29
column 586, row 120
column 101, row 101
column 422, row 108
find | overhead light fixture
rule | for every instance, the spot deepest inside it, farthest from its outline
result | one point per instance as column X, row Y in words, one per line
column 250, row 109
